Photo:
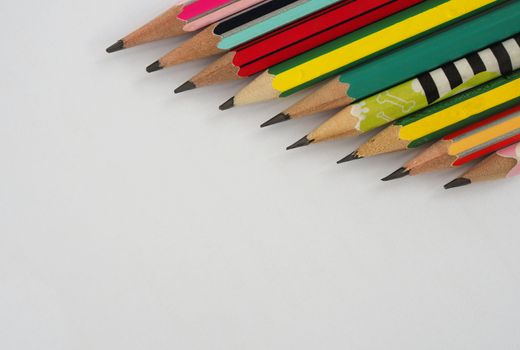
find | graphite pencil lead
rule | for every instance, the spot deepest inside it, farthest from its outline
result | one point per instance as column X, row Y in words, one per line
column 228, row 104
column 304, row 141
column 461, row 181
column 352, row 156
column 281, row 117
column 185, row 87
column 399, row 173
column 118, row 46
column 154, row 67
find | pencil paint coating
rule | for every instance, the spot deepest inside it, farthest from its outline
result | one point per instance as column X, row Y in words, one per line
column 497, row 131
column 214, row 16
column 199, row 7
column 276, row 21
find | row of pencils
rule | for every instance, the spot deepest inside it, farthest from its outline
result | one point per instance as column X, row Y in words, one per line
column 436, row 73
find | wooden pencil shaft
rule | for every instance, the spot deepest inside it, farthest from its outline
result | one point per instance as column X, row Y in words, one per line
column 434, row 158
column 502, row 164
column 186, row 16
column 164, row 26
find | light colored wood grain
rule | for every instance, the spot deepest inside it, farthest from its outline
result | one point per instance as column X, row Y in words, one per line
column 202, row 45
column 164, row 26
column 330, row 96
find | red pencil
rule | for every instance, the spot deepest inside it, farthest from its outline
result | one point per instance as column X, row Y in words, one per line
column 314, row 30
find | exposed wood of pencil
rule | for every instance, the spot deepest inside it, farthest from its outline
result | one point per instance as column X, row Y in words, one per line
column 386, row 141
column 434, row 158
column 342, row 124
column 202, row 45
column 219, row 71
column 494, row 167
column 164, row 26
column 329, row 96
column 260, row 89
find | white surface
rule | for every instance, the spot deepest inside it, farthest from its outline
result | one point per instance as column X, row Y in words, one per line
column 135, row 219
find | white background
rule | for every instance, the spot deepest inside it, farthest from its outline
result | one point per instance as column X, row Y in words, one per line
column 131, row 218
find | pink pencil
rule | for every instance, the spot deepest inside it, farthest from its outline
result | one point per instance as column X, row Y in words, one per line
column 187, row 16
column 502, row 164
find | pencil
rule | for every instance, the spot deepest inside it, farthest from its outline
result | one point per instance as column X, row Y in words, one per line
column 185, row 17
column 468, row 144
column 295, row 38
column 239, row 29
column 327, row 60
column 430, row 88
column 439, row 120
column 502, row 164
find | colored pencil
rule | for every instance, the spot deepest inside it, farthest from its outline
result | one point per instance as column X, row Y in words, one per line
column 185, row 17
column 239, row 29
column 395, row 31
column 503, row 164
column 445, row 117
column 294, row 39
column 426, row 90
column 466, row 145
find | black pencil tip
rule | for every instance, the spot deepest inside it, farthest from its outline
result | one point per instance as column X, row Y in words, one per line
column 461, row 181
column 352, row 156
column 118, row 46
column 154, row 67
column 281, row 117
column 304, row 141
column 228, row 104
column 189, row 85
column 399, row 173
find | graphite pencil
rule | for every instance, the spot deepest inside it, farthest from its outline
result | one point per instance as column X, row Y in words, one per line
column 185, row 17
column 466, row 145
column 503, row 164
column 239, row 29
column 294, row 39
column 327, row 60
column 427, row 89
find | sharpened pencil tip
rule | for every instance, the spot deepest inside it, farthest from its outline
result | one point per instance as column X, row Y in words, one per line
column 281, row 117
column 118, row 46
column 352, row 156
column 304, row 141
column 399, row 173
column 154, row 67
column 189, row 85
column 461, row 181
column 228, row 104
